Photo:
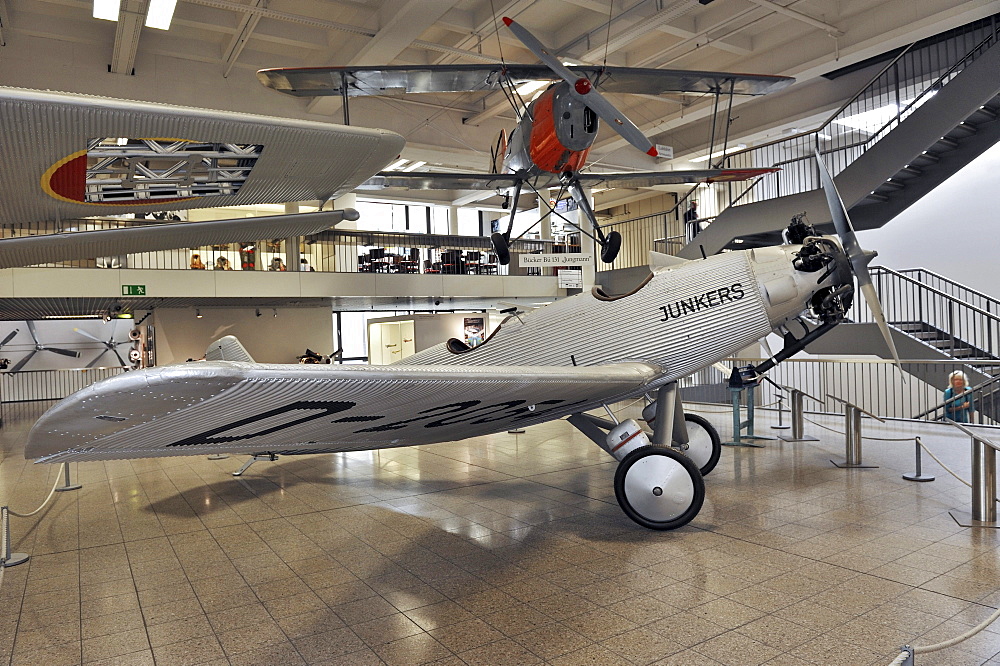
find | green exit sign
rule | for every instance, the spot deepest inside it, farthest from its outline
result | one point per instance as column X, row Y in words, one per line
column 133, row 290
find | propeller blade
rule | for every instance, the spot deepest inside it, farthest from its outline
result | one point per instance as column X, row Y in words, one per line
column 767, row 347
column 583, row 89
column 856, row 256
column 88, row 335
column 10, row 336
column 120, row 359
column 64, row 352
column 20, row 364
column 96, row 359
column 31, row 329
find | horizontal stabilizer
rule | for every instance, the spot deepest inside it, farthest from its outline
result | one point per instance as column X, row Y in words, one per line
column 660, row 260
column 228, row 348
column 69, row 246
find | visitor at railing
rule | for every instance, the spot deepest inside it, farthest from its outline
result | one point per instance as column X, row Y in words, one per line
column 691, row 221
column 958, row 398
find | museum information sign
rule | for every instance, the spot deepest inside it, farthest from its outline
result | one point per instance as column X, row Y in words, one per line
column 570, row 279
column 535, row 260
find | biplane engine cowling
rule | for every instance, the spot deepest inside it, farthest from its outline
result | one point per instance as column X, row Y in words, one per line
column 626, row 438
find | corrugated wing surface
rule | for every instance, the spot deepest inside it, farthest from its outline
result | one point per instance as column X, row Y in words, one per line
column 300, row 161
column 198, row 408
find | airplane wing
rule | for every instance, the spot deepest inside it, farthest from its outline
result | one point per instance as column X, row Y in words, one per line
column 213, row 407
column 48, row 248
column 75, row 155
column 650, row 178
column 404, row 79
column 431, row 180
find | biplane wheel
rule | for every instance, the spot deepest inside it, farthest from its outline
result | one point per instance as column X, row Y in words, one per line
column 613, row 243
column 704, row 443
column 659, row 488
column 500, row 247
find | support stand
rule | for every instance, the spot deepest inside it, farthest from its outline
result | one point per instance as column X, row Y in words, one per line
column 218, row 456
column 67, row 484
column 254, row 458
column 747, row 380
column 852, row 432
column 918, row 475
column 519, row 431
column 781, row 412
column 9, row 559
column 797, row 399
column 984, row 483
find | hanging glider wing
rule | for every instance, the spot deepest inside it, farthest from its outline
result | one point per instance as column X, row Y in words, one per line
column 405, row 79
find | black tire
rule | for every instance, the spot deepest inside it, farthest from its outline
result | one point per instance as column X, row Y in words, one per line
column 500, row 247
column 699, row 427
column 612, row 244
column 670, row 465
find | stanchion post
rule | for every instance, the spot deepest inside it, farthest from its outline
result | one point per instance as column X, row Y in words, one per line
column 781, row 411
column 67, row 483
column 9, row 559
column 984, row 483
column 797, row 400
column 852, row 435
column 918, row 474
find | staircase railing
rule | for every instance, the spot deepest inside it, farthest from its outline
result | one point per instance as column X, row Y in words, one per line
column 985, row 405
column 915, row 74
column 972, row 325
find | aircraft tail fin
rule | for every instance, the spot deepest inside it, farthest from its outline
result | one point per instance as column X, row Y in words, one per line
column 228, row 348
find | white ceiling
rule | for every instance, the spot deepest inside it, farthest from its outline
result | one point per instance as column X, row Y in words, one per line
column 209, row 56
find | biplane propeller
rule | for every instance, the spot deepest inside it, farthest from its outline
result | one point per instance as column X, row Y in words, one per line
column 555, row 131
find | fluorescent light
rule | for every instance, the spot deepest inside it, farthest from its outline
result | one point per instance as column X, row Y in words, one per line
column 160, row 13
column 530, row 87
column 395, row 165
column 719, row 153
column 107, row 9
column 414, row 166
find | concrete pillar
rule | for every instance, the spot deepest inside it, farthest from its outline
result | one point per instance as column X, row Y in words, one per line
column 292, row 244
column 587, row 244
column 545, row 228
column 349, row 200
column 453, row 220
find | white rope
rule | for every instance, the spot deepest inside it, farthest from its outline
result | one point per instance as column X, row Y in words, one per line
column 945, row 467
column 958, row 639
column 900, row 659
column 877, row 439
column 42, row 506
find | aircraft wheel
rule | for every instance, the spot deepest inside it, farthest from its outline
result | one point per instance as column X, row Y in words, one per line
column 613, row 243
column 500, row 247
column 704, row 444
column 659, row 488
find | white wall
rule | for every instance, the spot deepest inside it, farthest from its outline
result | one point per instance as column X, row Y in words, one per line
column 954, row 231
column 269, row 339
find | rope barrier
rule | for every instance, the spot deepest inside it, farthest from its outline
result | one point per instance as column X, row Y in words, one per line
column 42, row 506
column 877, row 439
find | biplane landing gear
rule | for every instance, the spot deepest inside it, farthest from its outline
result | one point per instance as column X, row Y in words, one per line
column 500, row 247
column 703, row 446
column 659, row 488
column 610, row 244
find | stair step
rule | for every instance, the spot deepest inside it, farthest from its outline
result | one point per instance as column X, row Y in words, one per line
column 986, row 112
column 892, row 184
column 874, row 196
column 967, row 127
column 928, row 156
column 948, row 142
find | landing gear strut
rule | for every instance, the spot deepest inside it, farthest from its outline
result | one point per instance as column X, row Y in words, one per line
column 658, row 483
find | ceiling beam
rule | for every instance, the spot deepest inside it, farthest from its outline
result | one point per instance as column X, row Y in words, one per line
column 243, row 31
column 799, row 16
column 131, row 17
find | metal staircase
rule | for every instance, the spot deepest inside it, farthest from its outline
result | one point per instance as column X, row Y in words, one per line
column 929, row 112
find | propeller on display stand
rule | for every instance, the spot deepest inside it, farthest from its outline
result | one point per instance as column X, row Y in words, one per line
column 110, row 345
column 39, row 347
column 857, row 257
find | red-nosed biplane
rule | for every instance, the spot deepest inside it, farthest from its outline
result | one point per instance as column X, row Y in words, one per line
column 555, row 131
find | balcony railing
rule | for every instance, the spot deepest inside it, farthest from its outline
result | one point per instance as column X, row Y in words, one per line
column 334, row 251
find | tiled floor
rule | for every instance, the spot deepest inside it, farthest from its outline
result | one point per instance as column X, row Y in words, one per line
column 499, row 550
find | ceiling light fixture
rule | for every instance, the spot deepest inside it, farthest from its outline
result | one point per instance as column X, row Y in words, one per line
column 160, row 14
column 107, row 9
column 414, row 166
column 395, row 165
column 197, row 314
column 275, row 311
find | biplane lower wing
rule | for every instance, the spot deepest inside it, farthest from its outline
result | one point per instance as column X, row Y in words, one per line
column 430, row 180
column 232, row 407
column 49, row 248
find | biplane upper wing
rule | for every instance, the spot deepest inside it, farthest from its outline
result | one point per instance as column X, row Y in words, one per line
column 70, row 155
column 430, row 180
column 404, row 79
column 213, row 407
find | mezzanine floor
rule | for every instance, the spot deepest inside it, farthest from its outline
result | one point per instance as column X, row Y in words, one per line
column 498, row 550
